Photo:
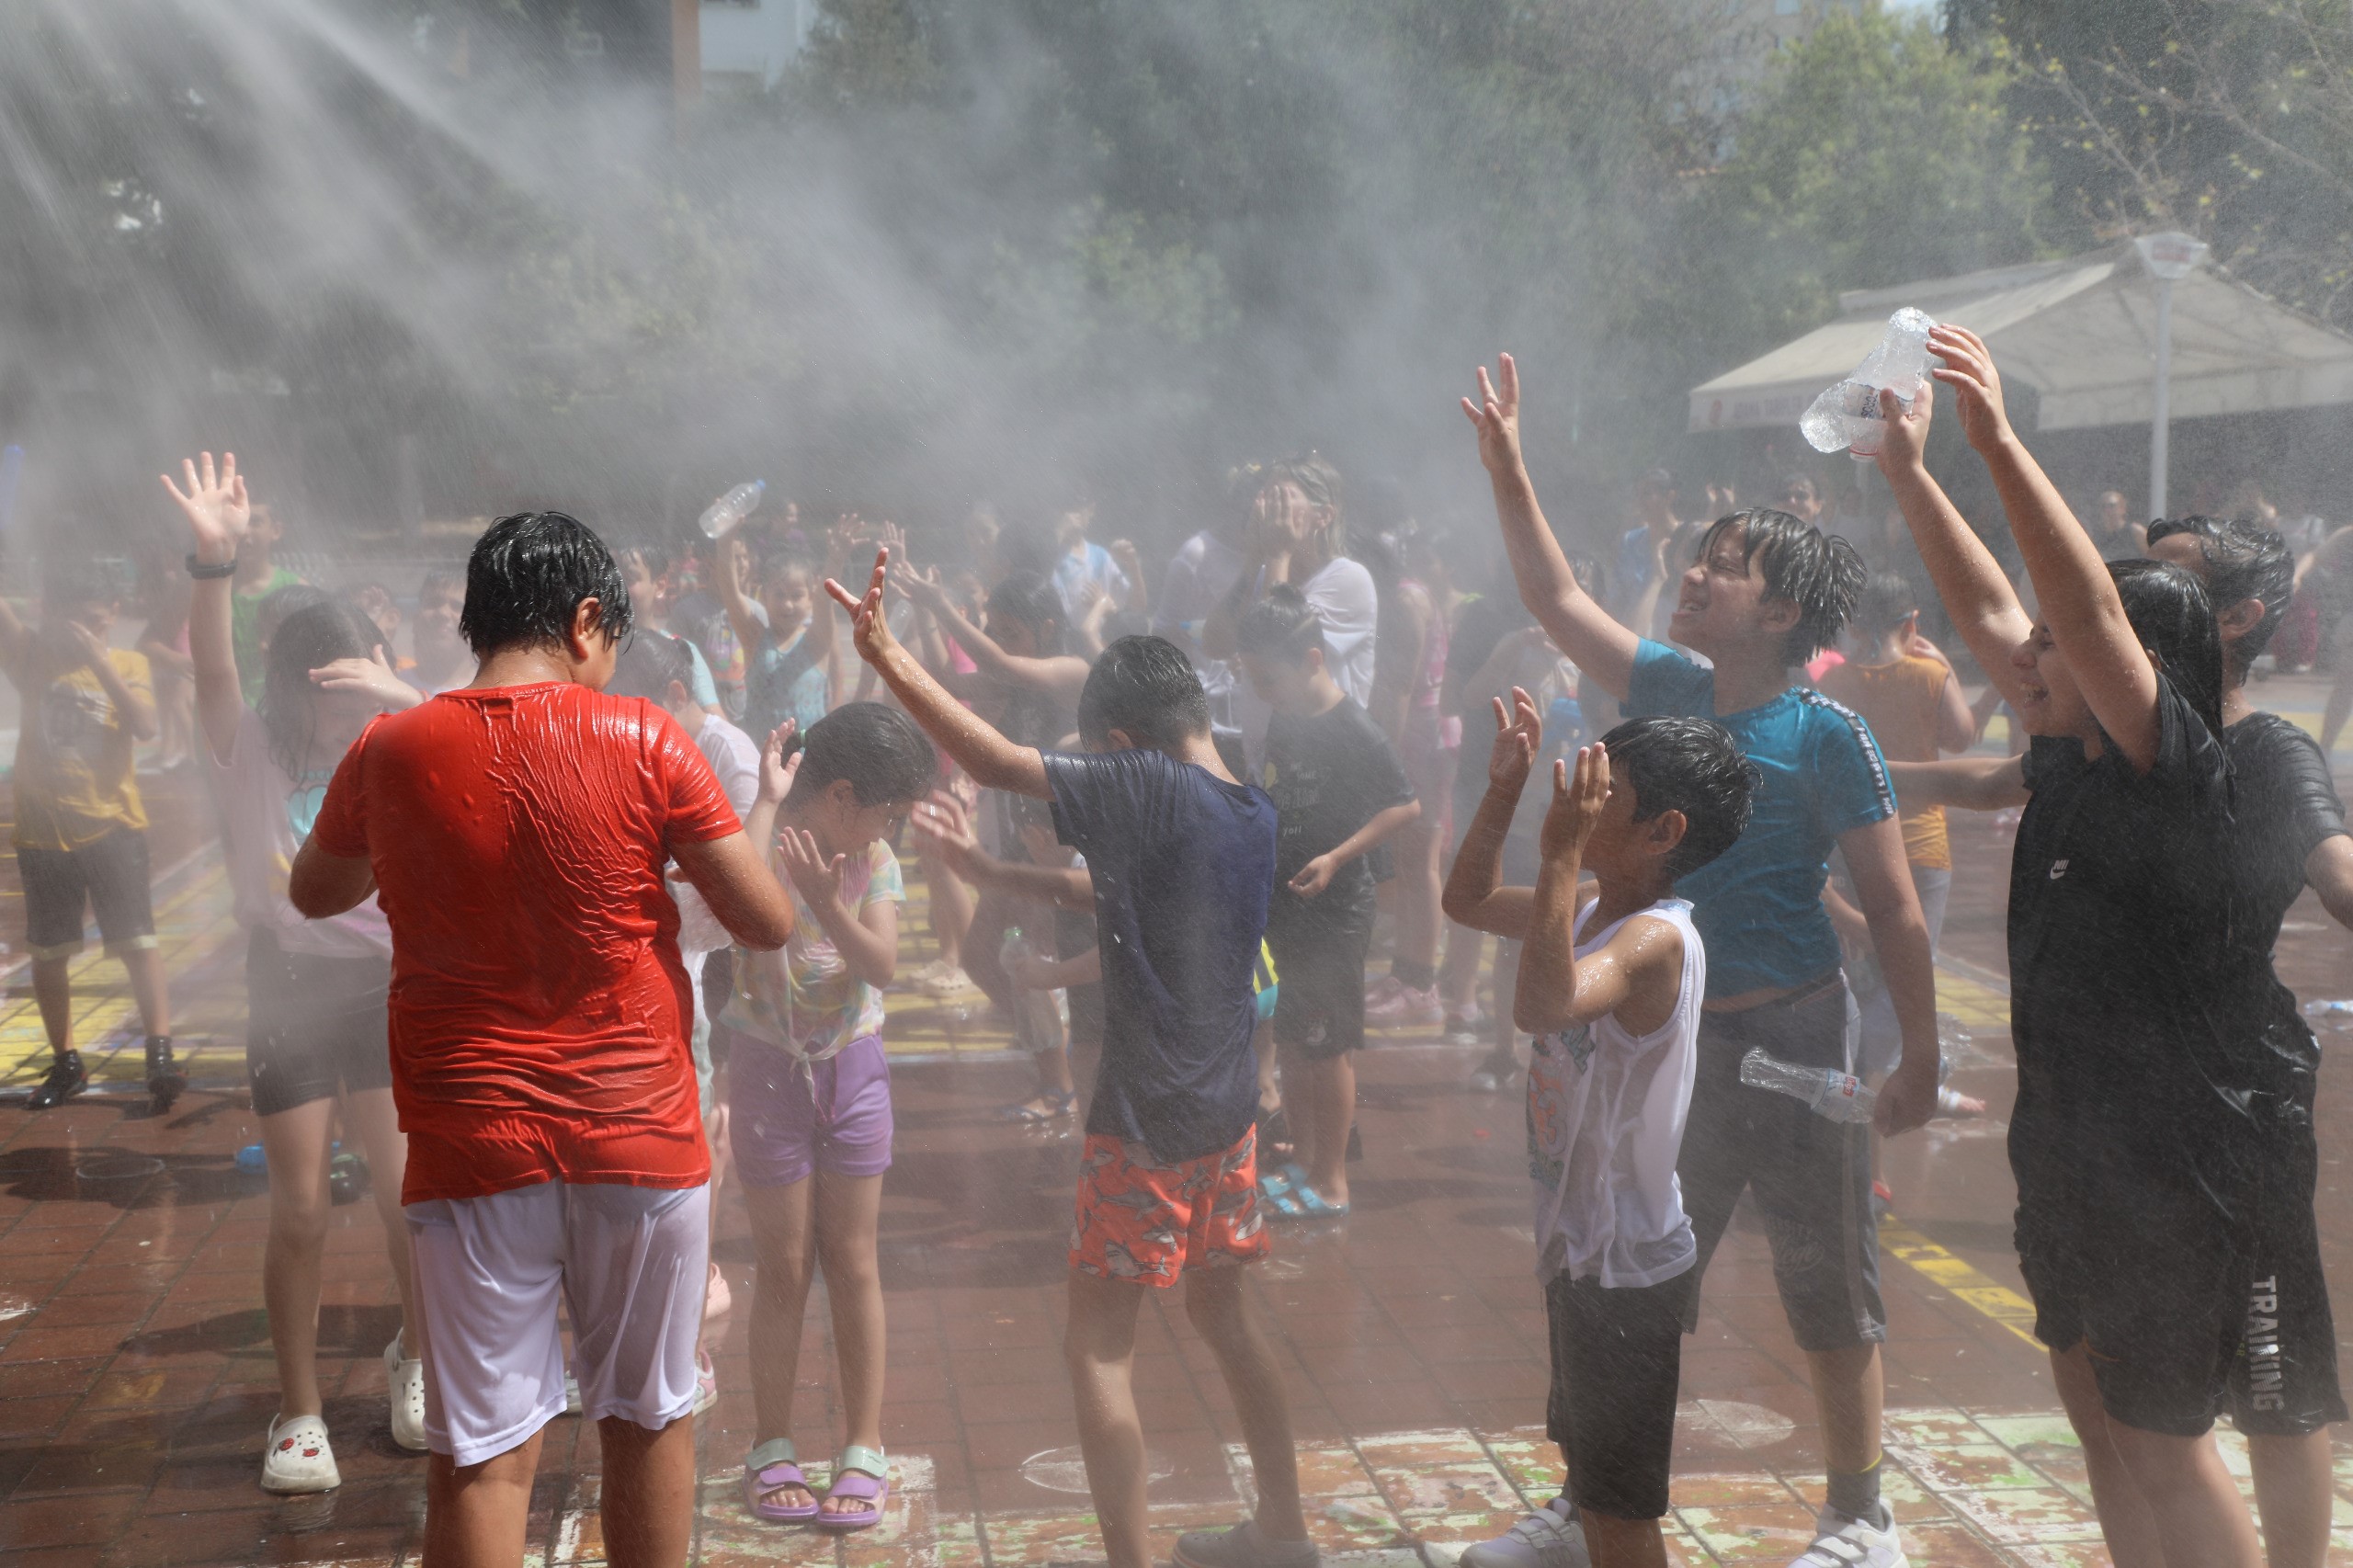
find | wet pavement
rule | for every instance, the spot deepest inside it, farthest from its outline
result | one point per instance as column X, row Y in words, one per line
column 136, row 1380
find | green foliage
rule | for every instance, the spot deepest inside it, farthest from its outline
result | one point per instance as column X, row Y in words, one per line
column 1877, row 154
column 2229, row 119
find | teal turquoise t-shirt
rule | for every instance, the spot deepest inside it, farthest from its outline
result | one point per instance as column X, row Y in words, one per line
column 1758, row 904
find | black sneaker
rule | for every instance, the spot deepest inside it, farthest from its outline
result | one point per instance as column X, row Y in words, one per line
column 66, row 1078
column 164, row 1079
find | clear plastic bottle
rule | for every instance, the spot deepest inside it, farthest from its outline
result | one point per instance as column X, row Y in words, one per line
column 1846, row 417
column 723, row 515
column 1039, row 1016
column 2338, row 1013
column 1827, row 1092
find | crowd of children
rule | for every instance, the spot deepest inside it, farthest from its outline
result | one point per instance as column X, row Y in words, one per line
column 1157, row 822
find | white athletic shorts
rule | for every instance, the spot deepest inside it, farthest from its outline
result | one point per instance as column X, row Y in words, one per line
column 631, row 1264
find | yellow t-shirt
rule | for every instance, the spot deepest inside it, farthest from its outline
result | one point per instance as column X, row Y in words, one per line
column 1900, row 701
column 73, row 776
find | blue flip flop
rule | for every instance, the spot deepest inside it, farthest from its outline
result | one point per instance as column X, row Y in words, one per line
column 1311, row 1204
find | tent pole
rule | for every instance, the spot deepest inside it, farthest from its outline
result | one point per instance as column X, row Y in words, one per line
column 2161, row 409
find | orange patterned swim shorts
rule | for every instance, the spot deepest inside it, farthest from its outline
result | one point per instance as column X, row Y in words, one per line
column 1144, row 1220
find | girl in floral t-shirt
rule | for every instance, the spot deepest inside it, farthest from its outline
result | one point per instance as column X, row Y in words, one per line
column 809, row 1095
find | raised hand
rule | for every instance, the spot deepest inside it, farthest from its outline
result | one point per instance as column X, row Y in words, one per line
column 1495, row 415
column 218, row 511
column 1576, row 804
column 1519, row 731
column 818, row 880
column 1968, row 368
column 777, row 770
column 869, row 630
column 1904, row 446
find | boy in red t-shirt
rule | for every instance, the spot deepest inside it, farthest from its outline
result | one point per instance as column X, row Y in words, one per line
column 515, row 832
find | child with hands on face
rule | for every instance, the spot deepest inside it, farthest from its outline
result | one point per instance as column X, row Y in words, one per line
column 1610, row 985
column 809, row 1091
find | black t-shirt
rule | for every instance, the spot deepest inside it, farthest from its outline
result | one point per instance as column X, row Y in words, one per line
column 2138, row 1023
column 1182, row 864
column 2285, row 806
column 1328, row 774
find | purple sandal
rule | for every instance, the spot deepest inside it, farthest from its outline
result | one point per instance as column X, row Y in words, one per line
column 771, row 1465
column 859, row 1475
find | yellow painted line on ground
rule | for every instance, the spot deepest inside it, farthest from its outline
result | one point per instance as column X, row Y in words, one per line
column 1963, row 1281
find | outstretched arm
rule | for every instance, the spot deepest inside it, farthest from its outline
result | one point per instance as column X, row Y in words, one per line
column 1641, row 964
column 994, row 762
column 1977, row 595
column 2072, row 585
column 1060, row 675
column 1583, row 630
column 946, row 831
column 1971, row 783
column 1473, row 895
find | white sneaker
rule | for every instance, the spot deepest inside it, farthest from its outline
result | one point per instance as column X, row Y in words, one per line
column 298, row 1458
column 1842, row 1542
column 1548, row 1537
column 404, row 1375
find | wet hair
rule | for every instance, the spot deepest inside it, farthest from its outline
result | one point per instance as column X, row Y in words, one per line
column 2174, row 619
column 440, row 583
column 69, row 583
column 649, row 664
column 312, row 634
column 1031, row 598
column 1888, row 598
column 1691, row 765
column 1819, row 573
column 1320, row 483
column 878, row 749
column 1145, row 687
column 277, row 609
column 2244, row 561
column 528, row 576
column 1281, row 626
column 1793, row 480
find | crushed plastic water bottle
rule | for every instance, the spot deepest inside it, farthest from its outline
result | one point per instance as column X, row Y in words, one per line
column 723, row 515
column 1846, row 417
column 2335, row 1014
column 1826, row 1091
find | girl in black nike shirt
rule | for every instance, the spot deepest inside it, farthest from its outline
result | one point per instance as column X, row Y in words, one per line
column 2150, row 1112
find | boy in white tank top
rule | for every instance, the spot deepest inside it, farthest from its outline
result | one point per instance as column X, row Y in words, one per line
column 1610, row 983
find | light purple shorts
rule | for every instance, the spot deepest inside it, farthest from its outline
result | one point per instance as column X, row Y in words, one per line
column 782, row 1135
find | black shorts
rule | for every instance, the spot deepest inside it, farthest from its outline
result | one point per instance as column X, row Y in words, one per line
column 1319, row 1003
column 63, row 886
column 2187, row 1306
column 1617, row 1361
column 1813, row 1176
column 318, row 1026
column 2283, row 1380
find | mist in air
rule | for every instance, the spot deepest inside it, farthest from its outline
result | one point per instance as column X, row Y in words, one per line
column 433, row 260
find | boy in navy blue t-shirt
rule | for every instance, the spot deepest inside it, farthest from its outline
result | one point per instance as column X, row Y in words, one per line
column 1766, row 591
column 1182, row 858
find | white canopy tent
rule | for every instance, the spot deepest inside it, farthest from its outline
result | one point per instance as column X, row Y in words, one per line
column 2081, row 332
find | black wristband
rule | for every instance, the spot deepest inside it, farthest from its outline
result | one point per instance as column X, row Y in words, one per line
column 204, row 574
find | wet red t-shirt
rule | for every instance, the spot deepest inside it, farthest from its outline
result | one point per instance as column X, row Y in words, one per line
column 540, row 1010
